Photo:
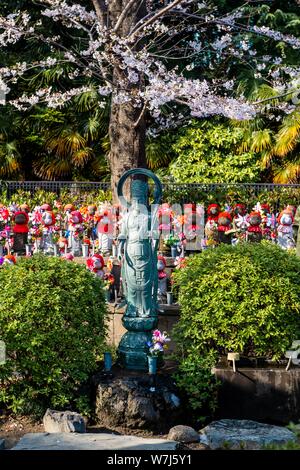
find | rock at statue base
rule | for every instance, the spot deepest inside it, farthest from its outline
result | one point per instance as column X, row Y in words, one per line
column 184, row 434
column 129, row 402
column 244, row 434
column 63, row 421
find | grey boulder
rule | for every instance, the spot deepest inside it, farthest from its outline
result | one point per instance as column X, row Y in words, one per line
column 244, row 434
column 182, row 433
column 63, row 421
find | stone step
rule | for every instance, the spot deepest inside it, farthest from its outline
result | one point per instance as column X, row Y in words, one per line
column 91, row 441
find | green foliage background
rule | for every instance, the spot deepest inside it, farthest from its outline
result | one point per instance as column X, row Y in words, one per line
column 207, row 152
column 72, row 142
column 52, row 320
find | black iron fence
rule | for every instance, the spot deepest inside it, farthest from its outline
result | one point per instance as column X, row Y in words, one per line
column 83, row 186
column 11, row 187
column 249, row 193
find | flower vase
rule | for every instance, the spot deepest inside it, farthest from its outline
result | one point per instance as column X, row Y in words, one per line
column 114, row 251
column 85, row 250
column 38, row 245
column 174, row 251
column 28, row 249
column 152, row 364
column 1, row 250
column 55, row 249
column 107, row 361
column 107, row 293
column 169, row 298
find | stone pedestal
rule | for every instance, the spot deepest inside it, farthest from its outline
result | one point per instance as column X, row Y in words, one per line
column 133, row 349
column 128, row 401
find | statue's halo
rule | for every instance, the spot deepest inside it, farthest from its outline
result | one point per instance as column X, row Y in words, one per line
column 144, row 172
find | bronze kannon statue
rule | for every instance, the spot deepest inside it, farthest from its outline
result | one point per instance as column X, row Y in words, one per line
column 138, row 252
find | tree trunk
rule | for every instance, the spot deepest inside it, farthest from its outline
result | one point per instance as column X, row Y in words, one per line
column 127, row 140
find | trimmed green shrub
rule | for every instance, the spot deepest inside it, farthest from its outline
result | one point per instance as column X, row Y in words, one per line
column 52, row 320
column 243, row 298
column 208, row 152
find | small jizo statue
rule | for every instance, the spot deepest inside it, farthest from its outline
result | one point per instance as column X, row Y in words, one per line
column 105, row 231
column 211, row 226
column 96, row 265
column 20, row 231
column 285, row 237
column 224, row 228
column 48, row 221
column 90, row 220
column 240, row 223
column 213, row 211
column 162, row 279
column 254, row 230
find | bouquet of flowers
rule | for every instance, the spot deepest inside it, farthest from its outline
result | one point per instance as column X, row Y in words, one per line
column 55, row 237
column 86, row 241
column 158, row 343
column 3, row 237
column 171, row 240
column 108, row 280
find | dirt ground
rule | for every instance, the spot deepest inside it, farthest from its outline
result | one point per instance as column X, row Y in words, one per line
column 13, row 428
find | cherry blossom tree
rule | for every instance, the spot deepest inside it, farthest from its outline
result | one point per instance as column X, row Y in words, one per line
column 142, row 57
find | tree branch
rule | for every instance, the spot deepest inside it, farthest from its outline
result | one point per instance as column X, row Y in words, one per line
column 101, row 11
column 160, row 13
column 142, row 113
column 123, row 15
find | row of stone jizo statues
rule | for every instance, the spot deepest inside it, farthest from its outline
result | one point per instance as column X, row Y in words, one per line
column 235, row 225
column 85, row 230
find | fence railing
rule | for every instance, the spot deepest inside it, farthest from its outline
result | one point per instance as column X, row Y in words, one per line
column 52, row 186
column 95, row 185
column 185, row 192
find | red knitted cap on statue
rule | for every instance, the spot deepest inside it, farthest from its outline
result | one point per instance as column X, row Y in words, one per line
column 69, row 207
column 21, row 228
column 266, row 207
column 91, row 261
column 285, row 211
column 255, row 214
column 211, row 206
column 46, row 207
column 225, row 214
column 240, row 206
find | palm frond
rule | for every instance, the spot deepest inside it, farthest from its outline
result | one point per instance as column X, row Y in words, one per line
column 67, row 142
column 288, row 135
column 266, row 159
column 261, row 140
column 81, row 156
column 50, row 168
column 10, row 159
column 157, row 152
column 289, row 173
column 87, row 100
